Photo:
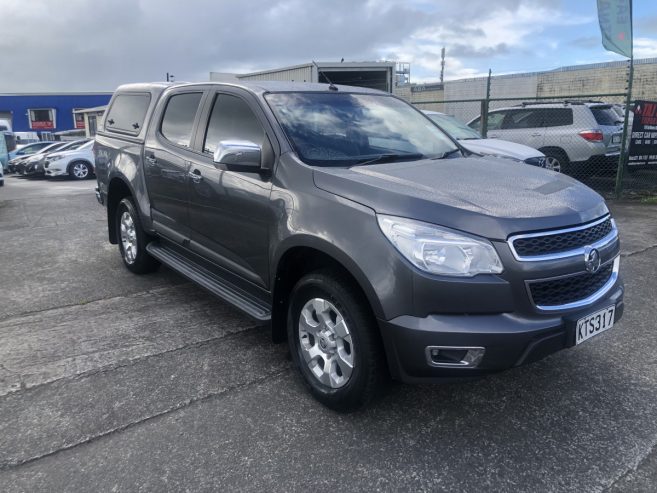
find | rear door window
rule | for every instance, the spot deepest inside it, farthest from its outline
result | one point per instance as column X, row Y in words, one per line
column 605, row 115
column 127, row 113
column 179, row 115
column 557, row 117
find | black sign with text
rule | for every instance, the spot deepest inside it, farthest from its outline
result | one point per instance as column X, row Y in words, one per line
column 643, row 140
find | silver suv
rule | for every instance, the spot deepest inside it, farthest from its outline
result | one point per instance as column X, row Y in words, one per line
column 575, row 136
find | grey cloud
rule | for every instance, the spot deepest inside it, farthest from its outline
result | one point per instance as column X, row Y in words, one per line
column 99, row 44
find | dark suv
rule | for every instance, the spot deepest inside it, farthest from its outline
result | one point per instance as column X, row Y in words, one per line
column 357, row 229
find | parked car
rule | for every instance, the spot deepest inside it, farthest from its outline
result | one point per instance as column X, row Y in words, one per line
column 76, row 163
column 357, row 229
column 20, row 164
column 574, row 136
column 29, row 149
column 474, row 142
column 36, row 165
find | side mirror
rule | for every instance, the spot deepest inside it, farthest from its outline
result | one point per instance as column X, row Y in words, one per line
column 239, row 155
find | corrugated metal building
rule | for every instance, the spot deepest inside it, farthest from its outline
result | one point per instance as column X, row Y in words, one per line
column 48, row 112
column 376, row 75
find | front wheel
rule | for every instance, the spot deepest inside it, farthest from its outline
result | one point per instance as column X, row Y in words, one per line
column 334, row 341
column 133, row 239
column 79, row 171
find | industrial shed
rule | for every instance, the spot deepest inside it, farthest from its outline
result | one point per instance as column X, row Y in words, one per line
column 375, row 75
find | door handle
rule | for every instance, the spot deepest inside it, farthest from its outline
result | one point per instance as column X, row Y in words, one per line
column 195, row 176
column 536, row 135
column 151, row 160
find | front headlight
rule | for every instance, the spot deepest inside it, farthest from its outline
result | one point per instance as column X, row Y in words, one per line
column 440, row 250
column 54, row 158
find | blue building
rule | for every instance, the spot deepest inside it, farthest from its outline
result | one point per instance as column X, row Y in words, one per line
column 48, row 112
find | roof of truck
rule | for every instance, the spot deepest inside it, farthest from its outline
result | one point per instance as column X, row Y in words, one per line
column 254, row 86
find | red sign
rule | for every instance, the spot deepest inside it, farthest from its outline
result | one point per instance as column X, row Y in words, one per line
column 79, row 121
column 43, row 125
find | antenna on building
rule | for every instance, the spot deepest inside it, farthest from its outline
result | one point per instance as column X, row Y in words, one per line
column 319, row 71
column 442, row 65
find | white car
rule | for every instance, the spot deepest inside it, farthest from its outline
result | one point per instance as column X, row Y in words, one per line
column 77, row 163
column 472, row 141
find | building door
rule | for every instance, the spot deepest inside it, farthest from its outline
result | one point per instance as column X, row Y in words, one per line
column 92, row 125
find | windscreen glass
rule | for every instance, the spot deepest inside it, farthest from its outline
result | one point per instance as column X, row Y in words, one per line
column 343, row 129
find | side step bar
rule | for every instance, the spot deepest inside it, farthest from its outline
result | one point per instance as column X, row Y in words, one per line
column 221, row 288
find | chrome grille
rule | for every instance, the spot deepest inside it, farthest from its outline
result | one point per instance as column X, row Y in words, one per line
column 534, row 246
column 571, row 289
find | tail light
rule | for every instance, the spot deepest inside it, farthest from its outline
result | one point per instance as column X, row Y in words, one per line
column 592, row 135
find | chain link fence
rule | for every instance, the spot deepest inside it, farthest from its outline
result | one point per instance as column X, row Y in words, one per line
column 580, row 134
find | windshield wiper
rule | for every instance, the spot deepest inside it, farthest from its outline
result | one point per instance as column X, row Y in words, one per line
column 448, row 153
column 390, row 158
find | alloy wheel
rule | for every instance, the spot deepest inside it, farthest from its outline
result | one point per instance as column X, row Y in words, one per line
column 325, row 343
column 128, row 237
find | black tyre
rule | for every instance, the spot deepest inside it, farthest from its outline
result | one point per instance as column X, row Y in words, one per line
column 79, row 170
column 334, row 341
column 132, row 239
column 557, row 160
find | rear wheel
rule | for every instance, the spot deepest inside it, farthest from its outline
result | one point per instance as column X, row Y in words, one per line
column 334, row 341
column 133, row 239
column 79, row 170
column 556, row 160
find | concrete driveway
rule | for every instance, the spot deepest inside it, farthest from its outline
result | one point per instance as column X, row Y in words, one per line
column 114, row 382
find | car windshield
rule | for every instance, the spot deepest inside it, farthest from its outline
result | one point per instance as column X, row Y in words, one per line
column 73, row 145
column 50, row 148
column 458, row 130
column 346, row 129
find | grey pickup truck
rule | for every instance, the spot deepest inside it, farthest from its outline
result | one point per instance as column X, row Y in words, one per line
column 348, row 222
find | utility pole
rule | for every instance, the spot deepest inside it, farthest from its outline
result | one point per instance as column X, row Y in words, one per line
column 170, row 77
column 442, row 65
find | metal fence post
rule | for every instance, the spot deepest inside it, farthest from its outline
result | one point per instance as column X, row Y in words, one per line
column 484, row 108
column 624, row 143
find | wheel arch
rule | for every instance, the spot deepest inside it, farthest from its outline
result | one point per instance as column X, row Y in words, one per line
column 117, row 189
column 303, row 255
column 546, row 150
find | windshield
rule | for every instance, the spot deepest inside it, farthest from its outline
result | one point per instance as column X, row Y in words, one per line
column 458, row 130
column 343, row 129
column 73, row 145
column 50, row 148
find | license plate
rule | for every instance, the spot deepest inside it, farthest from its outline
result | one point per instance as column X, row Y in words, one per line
column 615, row 139
column 594, row 324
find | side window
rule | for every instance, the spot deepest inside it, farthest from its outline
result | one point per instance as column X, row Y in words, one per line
column 178, row 119
column 495, row 120
column 127, row 113
column 522, row 119
column 556, row 117
column 476, row 123
column 231, row 119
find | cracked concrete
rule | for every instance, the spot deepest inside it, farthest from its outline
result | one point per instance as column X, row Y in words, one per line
column 115, row 382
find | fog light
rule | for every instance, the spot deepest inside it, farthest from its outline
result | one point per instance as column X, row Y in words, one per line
column 454, row 356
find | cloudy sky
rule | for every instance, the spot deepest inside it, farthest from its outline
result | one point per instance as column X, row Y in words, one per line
column 95, row 45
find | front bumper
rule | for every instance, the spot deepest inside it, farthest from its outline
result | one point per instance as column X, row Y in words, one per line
column 509, row 340
column 51, row 170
